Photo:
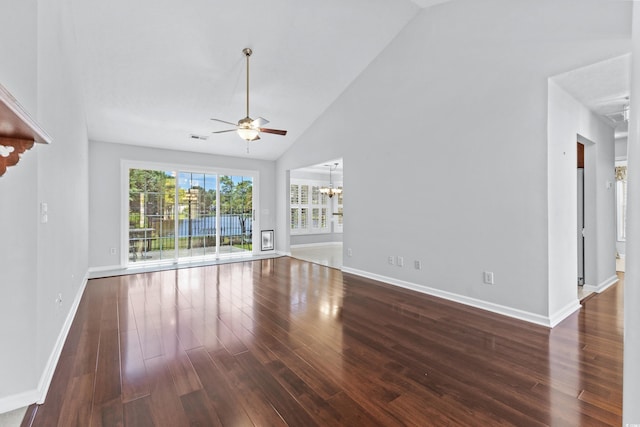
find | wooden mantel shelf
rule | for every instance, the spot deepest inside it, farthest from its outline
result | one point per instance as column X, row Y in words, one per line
column 18, row 131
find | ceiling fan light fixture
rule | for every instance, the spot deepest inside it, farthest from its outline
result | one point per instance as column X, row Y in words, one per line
column 248, row 134
column 247, row 128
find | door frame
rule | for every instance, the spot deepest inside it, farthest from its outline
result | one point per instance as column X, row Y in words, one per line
column 126, row 164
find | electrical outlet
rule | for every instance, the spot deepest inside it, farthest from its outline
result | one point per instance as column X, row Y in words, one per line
column 44, row 213
column 349, row 252
column 59, row 299
column 112, row 251
column 400, row 262
column 391, row 260
column 488, row 277
column 417, row 265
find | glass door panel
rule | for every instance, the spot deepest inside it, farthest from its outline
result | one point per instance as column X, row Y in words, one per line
column 151, row 195
column 236, row 214
column 197, row 214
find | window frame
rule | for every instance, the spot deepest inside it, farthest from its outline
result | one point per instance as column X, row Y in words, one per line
column 126, row 165
column 325, row 204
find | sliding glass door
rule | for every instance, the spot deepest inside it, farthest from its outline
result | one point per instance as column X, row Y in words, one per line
column 196, row 214
column 178, row 215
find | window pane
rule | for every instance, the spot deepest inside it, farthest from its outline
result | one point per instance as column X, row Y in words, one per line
column 151, row 195
column 236, row 213
column 315, row 194
column 294, row 218
column 323, row 218
column 294, row 194
column 304, row 214
column 304, row 194
column 315, row 218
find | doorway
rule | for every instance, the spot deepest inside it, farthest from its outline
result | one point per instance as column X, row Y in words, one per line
column 316, row 213
column 174, row 215
column 580, row 210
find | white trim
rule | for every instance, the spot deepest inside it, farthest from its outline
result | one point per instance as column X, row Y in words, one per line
column 17, row 401
column 564, row 312
column 38, row 395
column 104, row 268
column 284, row 253
column 603, row 286
column 484, row 305
column 311, row 245
column 147, row 268
column 50, row 368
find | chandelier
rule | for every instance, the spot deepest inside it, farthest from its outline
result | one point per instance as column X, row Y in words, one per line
column 330, row 191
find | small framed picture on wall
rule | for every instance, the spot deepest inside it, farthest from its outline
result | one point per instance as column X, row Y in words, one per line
column 267, row 240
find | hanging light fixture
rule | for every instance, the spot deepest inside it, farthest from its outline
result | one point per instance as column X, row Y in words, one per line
column 330, row 191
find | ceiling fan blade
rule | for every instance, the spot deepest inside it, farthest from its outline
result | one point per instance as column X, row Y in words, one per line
column 224, row 121
column 276, row 131
column 224, row 131
column 260, row 121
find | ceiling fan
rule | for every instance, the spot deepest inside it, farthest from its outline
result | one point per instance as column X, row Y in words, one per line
column 248, row 128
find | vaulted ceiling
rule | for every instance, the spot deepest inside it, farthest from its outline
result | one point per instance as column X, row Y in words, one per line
column 155, row 71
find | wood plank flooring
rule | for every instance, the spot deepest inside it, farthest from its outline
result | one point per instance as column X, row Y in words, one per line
column 283, row 342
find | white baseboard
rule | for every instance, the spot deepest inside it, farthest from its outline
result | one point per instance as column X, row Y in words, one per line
column 16, row 401
column 50, row 368
column 313, row 245
column 20, row 400
column 105, row 268
column 473, row 302
column 602, row 286
column 564, row 312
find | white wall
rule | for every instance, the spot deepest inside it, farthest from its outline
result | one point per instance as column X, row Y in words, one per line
column 459, row 146
column 62, row 181
column 569, row 122
column 621, row 148
column 18, row 210
column 105, row 190
column 631, row 376
column 43, row 260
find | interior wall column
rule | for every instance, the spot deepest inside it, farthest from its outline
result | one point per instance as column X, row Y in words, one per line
column 631, row 378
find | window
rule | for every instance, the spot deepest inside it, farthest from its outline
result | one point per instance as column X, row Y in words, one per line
column 312, row 211
column 176, row 214
column 338, row 225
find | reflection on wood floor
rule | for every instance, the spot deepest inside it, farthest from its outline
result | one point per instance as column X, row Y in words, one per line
column 329, row 255
column 285, row 342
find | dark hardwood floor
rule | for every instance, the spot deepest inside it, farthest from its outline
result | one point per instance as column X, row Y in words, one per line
column 284, row 342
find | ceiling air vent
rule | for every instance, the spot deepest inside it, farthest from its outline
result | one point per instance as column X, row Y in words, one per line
column 199, row 137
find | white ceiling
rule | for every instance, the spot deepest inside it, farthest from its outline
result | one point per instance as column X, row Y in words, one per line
column 604, row 88
column 155, row 71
